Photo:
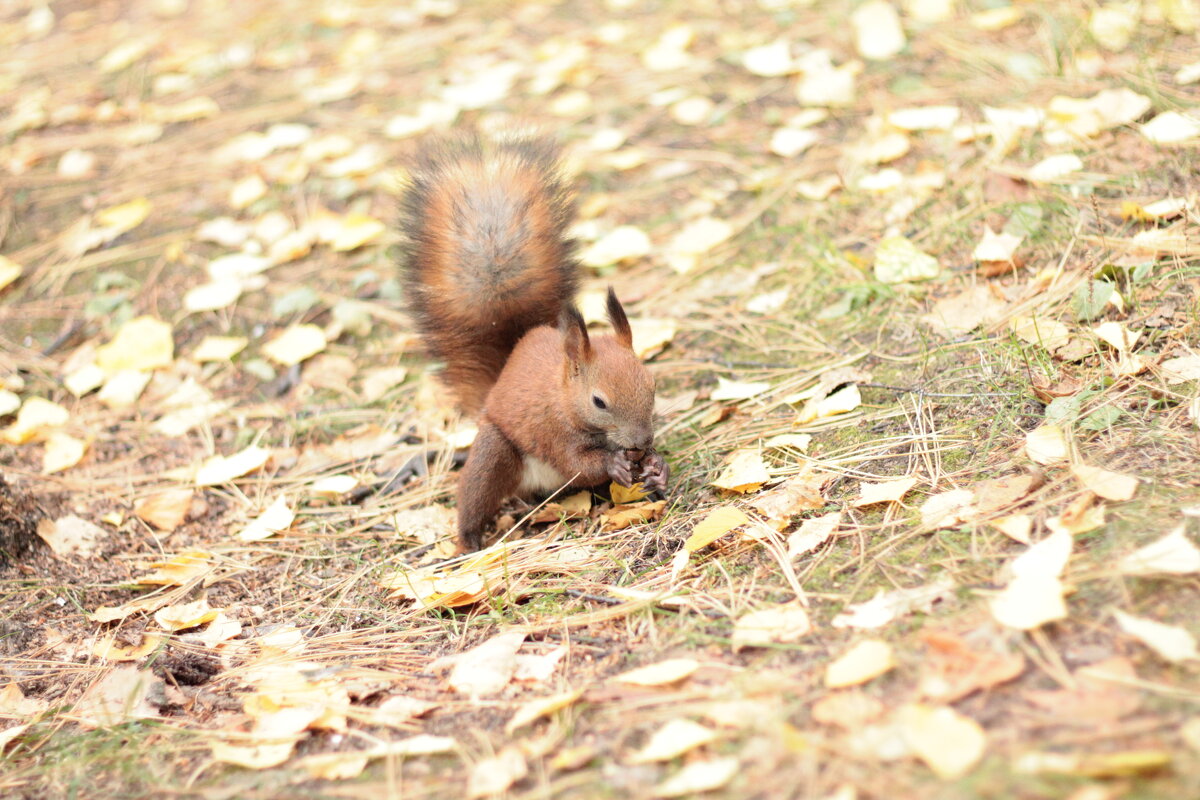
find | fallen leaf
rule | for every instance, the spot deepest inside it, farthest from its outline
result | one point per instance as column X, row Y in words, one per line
column 716, row 524
column 878, row 34
column 851, row 709
column 887, row 606
column 952, row 669
column 355, row 231
column 698, row 776
column 1173, row 554
column 886, row 492
column 1109, row 485
column 121, row 695
column 254, row 755
column 36, row 419
column 1172, row 127
column 791, row 142
column 769, row 60
column 624, row 243
column 651, row 335
column 540, row 707
column 9, row 271
column 924, row 118
column 70, row 535
column 165, row 510
column 125, row 217
column 996, row 493
column 224, row 469
column 1050, row 334
column 486, row 668
column 1102, row 694
column 735, row 390
column 1126, row 764
column 948, row 509
column 492, row 776
column 276, row 518
column 660, row 673
column 1046, row 444
column 897, row 260
column 864, row 661
column 63, row 451
column 812, row 533
column 962, row 313
column 142, row 344
column 186, row 615
column 996, row 246
column 745, row 472
column 1170, row 641
column 783, row 624
column 247, row 191
column 1054, row 168
column 1034, row 596
column 673, row 740
column 1178, row 370
column 798, row 493
column 621, row 517
column 1015, row 526
column 949, row 743
column 295, row 344
column 334, row 766
column 108, row 649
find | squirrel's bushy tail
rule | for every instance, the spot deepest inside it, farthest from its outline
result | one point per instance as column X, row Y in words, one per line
column 487, row 254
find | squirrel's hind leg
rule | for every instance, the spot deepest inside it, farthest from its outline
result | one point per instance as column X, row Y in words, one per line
column 492, row 473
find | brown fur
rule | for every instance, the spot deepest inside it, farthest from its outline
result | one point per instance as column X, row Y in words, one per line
column 489, row 274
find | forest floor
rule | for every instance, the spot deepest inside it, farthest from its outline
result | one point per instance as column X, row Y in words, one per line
column 919, row 283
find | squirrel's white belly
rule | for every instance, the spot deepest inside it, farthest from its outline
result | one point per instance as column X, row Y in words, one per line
column 538, row 477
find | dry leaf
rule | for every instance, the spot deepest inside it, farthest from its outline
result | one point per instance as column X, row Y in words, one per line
column 492, row 776
column 110, row 650
column 771, row 625
column 186, row 615
column 651, row 335
column 798, row 493
column 624, row 243
column 1102, row 694
column 1109, row 485
column 673, row 740
column 1046, row 444
column 661, row 673
column 745, row 472
column 295, row 344
column 850, row 710
column 952, row 669
column 179, row 569
column 9, row 271
column 886, row 606
column 1054, row 168
column 254, row 755
column 141, row 344
column 996, row 246
column 949, row 743
column 1015, row 526
column 1170, row 641
column 1172, row 127
column 70, row 535
column 334, row 766
column 486, row 668
column 621, row 517
column 698, row 776
column 540, row 707
column 224, row 469
column 948, row 509
column 897, row 260
column 735, row 390
column 1034, row 596
column 1048, row 333
column 37, row 418
column 165, row 510
column 716, row 524
column 864, row 661
column 123, row 694
column 63, row 451
column 962, row 313
column 886, row 492
column 277, row 517
column 355, row 231
column 878, row 34
column 1173, row 554
column 812, row 533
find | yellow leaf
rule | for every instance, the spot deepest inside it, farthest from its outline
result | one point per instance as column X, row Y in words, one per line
column 798, row 493
column 186, row 615
column 492, row 776
column 949, row 743
column 70, row 535
column 698, row 777
column 623, row 495
column 255, row 754
column 541, row 707
column 623, row 243
column 125, row 217
column 886, row 492
column 1109, row 485
column 295, row 344
column 736, row 390
column 673, row 740
column 63, row 451
column 897, row 260
column 108, row 648
column 9, row 271
column 36, row 419
column 1172, row 642
column 247, row 191
column 143, row 343
column 355, row 231
column 277, row 517
column 719, row 522
column 771, row 625
column 661, row 673
column 867, row 659
column 745, row 472
column 878, row 34
column 223, row 469
column 218, row 348
column 651, row 335
column 334, row 766
column 1014, row 526
column 622, row 517
column 1046, row 444
column 1173, row 554
column 179, row 569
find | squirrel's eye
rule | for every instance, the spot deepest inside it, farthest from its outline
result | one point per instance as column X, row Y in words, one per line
column 599, row 403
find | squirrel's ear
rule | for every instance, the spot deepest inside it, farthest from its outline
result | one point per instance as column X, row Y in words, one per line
column 576, row 343
column 618, row 320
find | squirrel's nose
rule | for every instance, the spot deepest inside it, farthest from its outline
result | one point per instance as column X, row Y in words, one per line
column 644, row 440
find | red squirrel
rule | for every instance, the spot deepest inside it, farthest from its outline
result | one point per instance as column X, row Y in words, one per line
column 490, row 278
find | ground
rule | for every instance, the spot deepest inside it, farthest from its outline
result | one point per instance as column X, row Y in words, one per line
column 918, row 282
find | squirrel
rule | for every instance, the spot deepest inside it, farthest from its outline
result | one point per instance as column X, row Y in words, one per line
column 490, row 278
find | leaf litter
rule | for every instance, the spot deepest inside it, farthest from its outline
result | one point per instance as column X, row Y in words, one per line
column 209, row 328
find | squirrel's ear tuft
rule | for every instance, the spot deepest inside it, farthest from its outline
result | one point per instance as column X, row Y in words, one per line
column 576, row 344
column 618, row 320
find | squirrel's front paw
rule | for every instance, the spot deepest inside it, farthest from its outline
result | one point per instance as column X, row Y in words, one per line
column 619, row 466
column 654, row 472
